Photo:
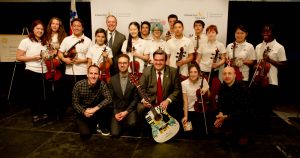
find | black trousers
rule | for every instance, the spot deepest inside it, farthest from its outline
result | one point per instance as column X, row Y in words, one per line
column 87, row 126
column 129, row 122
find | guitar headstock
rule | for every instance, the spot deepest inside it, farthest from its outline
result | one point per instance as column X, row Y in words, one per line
column 134, row 80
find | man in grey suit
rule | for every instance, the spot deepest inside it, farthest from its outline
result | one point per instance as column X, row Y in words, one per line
column 171, row 87
column 125, row 97
column 115, row 41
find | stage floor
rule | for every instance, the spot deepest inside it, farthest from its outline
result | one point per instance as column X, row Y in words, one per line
column 61, row 140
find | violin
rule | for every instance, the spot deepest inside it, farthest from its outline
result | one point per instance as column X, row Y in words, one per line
column 201, row 104
column 260, row 76
column 104, row 69
column 135, row 65
column 52, row 63
column 214, row 83
column 233, row 61
column 179, row 57
column 71, row 53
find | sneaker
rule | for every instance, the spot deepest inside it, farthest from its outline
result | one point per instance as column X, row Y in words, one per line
column 104, row 132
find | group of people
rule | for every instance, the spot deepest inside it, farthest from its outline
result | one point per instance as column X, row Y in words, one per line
column 178, row 73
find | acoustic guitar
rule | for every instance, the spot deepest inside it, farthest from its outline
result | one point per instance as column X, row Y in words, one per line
column 163, row 125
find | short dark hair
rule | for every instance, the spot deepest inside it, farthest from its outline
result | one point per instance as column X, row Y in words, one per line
column 241, row 27
column 146, row 23
column 123, row 55
column 178, row 22
column 199, row 22
column 79, row 20
column 101, row 30
column 93, row 65
column 160, row 52
column 194, row 65
column 172, row 16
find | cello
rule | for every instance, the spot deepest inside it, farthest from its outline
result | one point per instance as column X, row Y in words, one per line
column 202, row 100
column 104, row 69
column 135, row 65
column 214, row 83
column 52, row 63
column 233, row 62
column 260, row 76
column 179, row 57
column 201, row 104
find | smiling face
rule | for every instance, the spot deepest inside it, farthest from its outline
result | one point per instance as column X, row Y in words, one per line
column 240, row 36
column 134, row 31
column 100, row 38
column 123, row 64
column 267, row 34
column 159, row 61
column 93, row 75
column 77, row 28
column 38, row 31
column 193, row 74
column 111, row 23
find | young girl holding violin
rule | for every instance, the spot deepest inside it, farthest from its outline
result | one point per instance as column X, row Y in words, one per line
column 101, row 55
column 54, row 36
column 135, row 47
column 195, row 92
column 29, row 52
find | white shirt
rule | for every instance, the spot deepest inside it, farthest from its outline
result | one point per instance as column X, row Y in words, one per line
column 173, row 49
column 140, row 47
column 276, row 53
column 190, row 89
column 244, row 51
column 81, row 49
column 33, row 48
column 95, row 53
column 208, row 51
column 202, row 39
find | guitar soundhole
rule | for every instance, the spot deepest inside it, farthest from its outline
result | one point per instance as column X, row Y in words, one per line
column 165, row 118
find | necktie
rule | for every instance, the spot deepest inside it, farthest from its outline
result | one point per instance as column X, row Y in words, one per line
column 159, row 93
column 110, row 40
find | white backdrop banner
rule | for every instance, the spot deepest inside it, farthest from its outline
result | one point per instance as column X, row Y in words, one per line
column 210, row 11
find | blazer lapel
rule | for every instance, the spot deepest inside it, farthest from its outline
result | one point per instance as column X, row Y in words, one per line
column 165, row 81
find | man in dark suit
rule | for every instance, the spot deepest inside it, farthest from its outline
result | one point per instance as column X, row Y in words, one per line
column 115, row 41
column 125, row 98
column 171, row 87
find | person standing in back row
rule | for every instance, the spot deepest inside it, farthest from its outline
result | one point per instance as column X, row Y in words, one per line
column 115, row 41
column 271, row 58
column 72, row 52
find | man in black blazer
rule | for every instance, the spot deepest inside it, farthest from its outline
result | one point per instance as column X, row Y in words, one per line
column 125, row 97
column 115, row 41
column 171, row 87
